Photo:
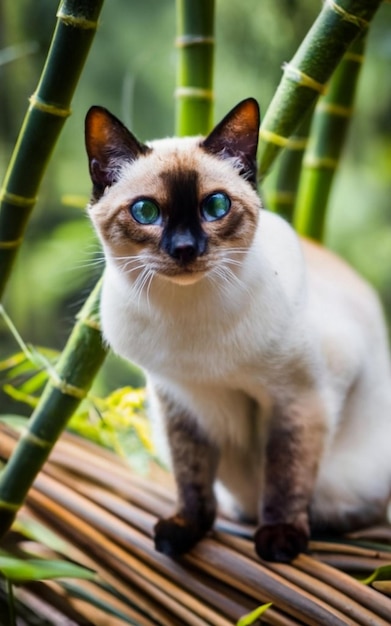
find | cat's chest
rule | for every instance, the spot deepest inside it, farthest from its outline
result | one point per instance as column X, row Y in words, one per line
column 203, row 346
column 182, row 348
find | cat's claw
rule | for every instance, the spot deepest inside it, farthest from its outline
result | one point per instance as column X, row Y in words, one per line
column 175, row 536
column 280, row 542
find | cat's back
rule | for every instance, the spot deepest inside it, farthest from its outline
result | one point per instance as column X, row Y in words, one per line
column 333, row 283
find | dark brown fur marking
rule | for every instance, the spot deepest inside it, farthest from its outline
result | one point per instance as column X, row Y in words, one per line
column 293, row 452
column 194, row 460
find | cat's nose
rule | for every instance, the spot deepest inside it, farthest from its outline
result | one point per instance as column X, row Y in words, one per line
column 183, row 247
column 184, row 252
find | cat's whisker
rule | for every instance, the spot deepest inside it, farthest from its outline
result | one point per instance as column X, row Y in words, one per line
column 88, row 264
column 143, row 280
column 150, row 279
column 227, row 279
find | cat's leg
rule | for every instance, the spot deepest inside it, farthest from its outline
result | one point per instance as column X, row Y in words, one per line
column 194, row 462
column 292, row 454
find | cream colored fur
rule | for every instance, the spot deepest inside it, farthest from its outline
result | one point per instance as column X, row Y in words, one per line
column 226, row 346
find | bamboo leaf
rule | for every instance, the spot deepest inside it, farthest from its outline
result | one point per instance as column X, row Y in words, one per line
column 20, row 396
column 250, row 618
column 16, row 421
column 20, row 570
column 380, row 573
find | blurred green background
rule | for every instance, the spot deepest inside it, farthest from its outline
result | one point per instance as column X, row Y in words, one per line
column 131, row 71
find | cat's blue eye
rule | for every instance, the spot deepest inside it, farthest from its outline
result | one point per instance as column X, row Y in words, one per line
column 145, row 211
column 215, row 206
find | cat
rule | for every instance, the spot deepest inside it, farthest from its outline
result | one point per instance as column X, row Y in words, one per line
column 266, row 355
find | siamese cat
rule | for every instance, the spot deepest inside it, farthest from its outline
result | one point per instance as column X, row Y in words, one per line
column 266, row 355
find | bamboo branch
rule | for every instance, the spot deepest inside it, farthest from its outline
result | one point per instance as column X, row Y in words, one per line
column 327, row 138
column 307, row 74
column 195, row 42
column 48, row 110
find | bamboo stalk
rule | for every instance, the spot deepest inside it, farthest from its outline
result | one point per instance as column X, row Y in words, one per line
column 67, row 386
column 329, row 128
column 282, row 198
column 195, row 43
column 306, row 75
column 49, row 107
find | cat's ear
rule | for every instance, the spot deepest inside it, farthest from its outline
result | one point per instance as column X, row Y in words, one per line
column 236, row 137
column 109, row 143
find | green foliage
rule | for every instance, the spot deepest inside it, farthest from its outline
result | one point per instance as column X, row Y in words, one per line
column 24, row 570
column 117, row 421
column 251, row 618
column 380, row 573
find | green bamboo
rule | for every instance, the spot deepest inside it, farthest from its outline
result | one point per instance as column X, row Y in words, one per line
column 195, row 43
column 306, row 75
column 328, row 133
column 48, row 110
column 68, row 385
column 282, row 198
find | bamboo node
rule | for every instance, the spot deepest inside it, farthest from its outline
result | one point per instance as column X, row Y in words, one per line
column 358, row 21
column 7, row 245
column 194, row 92
column 34, row 439
column 354, row 56
column 9, row 506
column 67, row 389
column 90, row 322
column 46, row 107
column 16, row 200
column 184, row 41
column 335, row 109
column 304, row 80
column 293, row 143
column 76, row 21
column 327, row 163
column 283, row 197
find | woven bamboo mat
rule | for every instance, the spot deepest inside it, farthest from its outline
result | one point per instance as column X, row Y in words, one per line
column 106, row 513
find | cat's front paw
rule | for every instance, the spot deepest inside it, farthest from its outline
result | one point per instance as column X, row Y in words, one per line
column 280, row 542
column 176, row 535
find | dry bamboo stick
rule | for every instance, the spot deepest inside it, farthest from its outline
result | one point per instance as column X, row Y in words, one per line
column 41, row 607
column 377, row 533
column 250, row 582
column 136, row 599
column 348, row 548
column 256, row 579
column 216, row 566
column 366, row 596
column 322, row 590
column 96, row 542
column 328, row 594
column 348, row 563
column 52, row 593
column 253, row 576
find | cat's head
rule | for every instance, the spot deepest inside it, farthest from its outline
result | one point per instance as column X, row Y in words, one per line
column 177, row 208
